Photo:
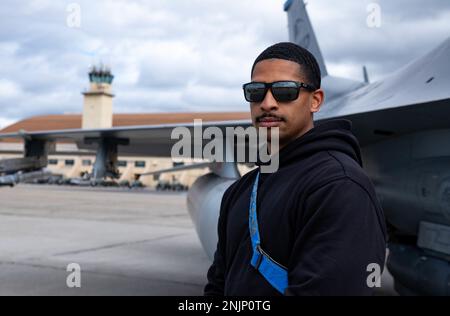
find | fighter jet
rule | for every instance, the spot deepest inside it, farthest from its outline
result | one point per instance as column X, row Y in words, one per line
column 403, row 128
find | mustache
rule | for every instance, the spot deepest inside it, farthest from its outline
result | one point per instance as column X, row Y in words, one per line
column 266, row 115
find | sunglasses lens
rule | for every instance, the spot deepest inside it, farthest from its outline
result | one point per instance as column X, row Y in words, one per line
column 285, row 91
column 254, row 92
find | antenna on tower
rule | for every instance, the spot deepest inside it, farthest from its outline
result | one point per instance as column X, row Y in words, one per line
column 101, row 74
column 366, row 75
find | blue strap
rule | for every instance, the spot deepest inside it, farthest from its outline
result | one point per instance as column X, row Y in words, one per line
column 272, row 271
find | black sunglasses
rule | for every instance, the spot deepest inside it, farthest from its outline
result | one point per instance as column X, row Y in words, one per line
column 282, row 91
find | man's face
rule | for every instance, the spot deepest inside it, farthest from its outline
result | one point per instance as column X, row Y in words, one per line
column 293, row 118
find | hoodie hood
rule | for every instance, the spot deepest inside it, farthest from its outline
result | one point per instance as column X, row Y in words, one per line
column 328, row 135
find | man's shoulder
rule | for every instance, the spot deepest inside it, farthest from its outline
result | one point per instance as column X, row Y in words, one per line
column 349, row 167
column 341, row 167
column 331, row 165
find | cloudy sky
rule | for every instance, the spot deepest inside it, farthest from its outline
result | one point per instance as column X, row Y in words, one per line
column 188, row 55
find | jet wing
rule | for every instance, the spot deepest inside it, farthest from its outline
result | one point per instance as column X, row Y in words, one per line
column 414, row 98
column 147, row 140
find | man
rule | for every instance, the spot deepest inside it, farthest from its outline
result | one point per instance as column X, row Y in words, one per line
column 318, row 227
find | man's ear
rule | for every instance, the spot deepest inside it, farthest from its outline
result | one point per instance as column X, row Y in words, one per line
column 317, row 99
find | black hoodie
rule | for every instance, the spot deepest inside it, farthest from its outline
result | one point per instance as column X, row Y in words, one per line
column 318, row 216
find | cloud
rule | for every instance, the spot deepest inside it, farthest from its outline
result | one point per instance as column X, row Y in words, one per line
column 9, row 89
column 409, row 29
column 5, row 122
column 192, row 55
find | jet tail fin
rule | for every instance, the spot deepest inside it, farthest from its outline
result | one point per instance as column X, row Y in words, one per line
column 301, row 31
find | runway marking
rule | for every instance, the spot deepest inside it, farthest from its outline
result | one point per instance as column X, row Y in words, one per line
column 119, row 275
column 122, row 220
column 75, row 252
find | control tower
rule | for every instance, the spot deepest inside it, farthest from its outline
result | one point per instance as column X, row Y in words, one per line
column 97, row 105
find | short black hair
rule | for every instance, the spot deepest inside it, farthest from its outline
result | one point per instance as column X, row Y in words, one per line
column 293, row 52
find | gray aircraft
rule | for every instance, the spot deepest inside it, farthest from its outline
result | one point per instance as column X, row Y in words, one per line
column 402, row 125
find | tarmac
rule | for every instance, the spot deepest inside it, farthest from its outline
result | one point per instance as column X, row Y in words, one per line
column 125, row 242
